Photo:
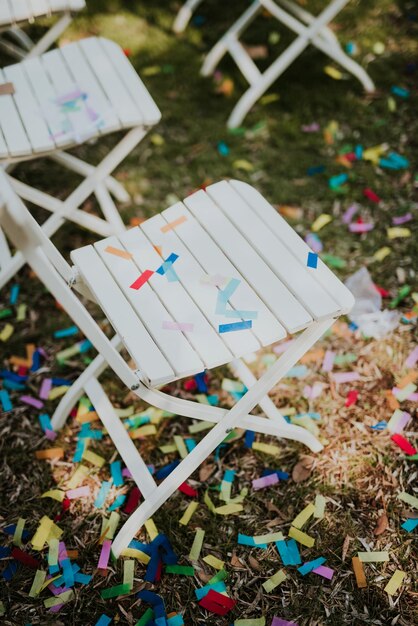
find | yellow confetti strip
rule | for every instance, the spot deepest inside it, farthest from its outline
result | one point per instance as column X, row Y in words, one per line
column 395, row 582
column 46, row 530
column 373, row 557
column 197, row 545
column 261, row 621
column 56, row 392
column 333, row 72
column 187, row 515
column 300, row 537
column 37, row 583
column 17, row 536
column 301, row 519
column 397, row 232
column 171, row 447
column 269, row 538
column 320, row 503
column 242, row 164
column 78, row 477
column 112, row 525
column 306, row 422
column 213, row 561
column 208, row 502
column 93, row 458
column 21, row 312
column 274, row 581
column 143, row 431
column 181, row 446
column 136, row 554
column 128, row 573
column 320, row 222
column 7, row 332
column 55, row 494
column 118, row 252
column 382, row 253
column 267, row 448
column 228, row 509
column 373, row 154
column 408, row 499
column 61, row 598
column 199, row 426
column 151, row 528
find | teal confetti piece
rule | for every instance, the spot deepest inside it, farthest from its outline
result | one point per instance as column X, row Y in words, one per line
column 14, row 294
column 5, row 400
column 101, row 496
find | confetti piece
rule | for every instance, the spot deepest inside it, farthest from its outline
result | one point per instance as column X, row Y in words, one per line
column 182, row 326
column 92, row 457
column 32, row 402
column 80, row 492
column 101, row 496
column 301, row 537
column 235, row 326
column 320, row 503
column 228, row 509
column 103, row 620
column 395, row 582
column 42, row 533
column 373, row 557
column 397, row 232
column 217, row 603
column 398, row 421
column 325, row 572
column 277, row 621
column 371, row 195
column 345, row 377
column 55, row 494
column 151, row 528
column 320, row 222
column 50, row 453
column 412, row 358
column 328, row 362
column 141, row 280
column 301, row 519
column 261, row 621
column 5, row 400
column 401, row 92
column 309, row 566
column 117, row 252
column 104, row 554
column 6, row 333
column 197, row 545
column 333, row 72
column 274, row 581
column 17, row 536
column 312, row 260
column 37, row 583
column 410, row 524
column 61, row 598
column 359, row 572
column 265, row 481
column 114, row 592
column 213, row 561
column 66, row 332
column 408, row 499
column 182, row 570
column 266, row 448
column 404, row 444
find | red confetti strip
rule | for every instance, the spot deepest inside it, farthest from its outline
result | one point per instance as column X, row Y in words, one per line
column 371, row 195
column 383, row 292
column 25, row 558
column 133, row 500
column 404, row 444
column 217, row 603
column 190, row 385
column 141, row 280
column 189, row 491
column 351, row 398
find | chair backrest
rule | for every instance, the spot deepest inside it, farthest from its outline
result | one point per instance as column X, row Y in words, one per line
column 23, row 230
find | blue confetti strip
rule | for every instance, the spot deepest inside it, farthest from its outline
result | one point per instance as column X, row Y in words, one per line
column 101, row 496
column 203, row 591
column 228, row 328
column 306, row 568
column 66, row 332
column 410, row 524
column 14, row 294
column 249, row 438
column 116, row 471
column 119, row 501
column 79, row 450
column 5, row 400
column 312, row 260
column 103, row 620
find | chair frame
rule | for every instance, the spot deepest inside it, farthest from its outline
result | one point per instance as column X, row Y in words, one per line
column 308, row 29
column 57, row 275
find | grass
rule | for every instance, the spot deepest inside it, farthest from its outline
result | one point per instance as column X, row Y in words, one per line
column 359, row 471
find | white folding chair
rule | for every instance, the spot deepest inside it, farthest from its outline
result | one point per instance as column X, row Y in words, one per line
column 15, row 13
column 309, row 30
column 65, row 97
column 171, row 325
column 184, row 15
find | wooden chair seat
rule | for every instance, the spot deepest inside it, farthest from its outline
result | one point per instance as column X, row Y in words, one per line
column 17, row 11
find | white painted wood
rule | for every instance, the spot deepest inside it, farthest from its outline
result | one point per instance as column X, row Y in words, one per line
column 21, row 10
column 190, row 271
column 294, row 243
column 6, row 16
column 150, row 311
column 35, row 126
column 122, row 102
column 144, row 351
column 86, row 80
column 291, row 270
column 13, row 131
column 4, row 150
column 262, row 279
column 214, row 262
column 207, row 343
column 41, row 7
column 133, row 83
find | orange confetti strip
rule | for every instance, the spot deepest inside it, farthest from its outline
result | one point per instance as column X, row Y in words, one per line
column 19, row 361
column 90, row 416
column 50, row 453
column 391, row 400
column 359, row 572
column 314, row 356
column 171, row 225
column 409, row 378
column 118, row 252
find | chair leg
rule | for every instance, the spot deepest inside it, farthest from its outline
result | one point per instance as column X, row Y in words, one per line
column 50, row 36
column 184, row 15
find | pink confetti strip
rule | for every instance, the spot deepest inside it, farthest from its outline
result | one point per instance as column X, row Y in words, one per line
column 62, row 552
column 355, row 227
column 313, row 392
column 282, row 347
column 265, row 481
column 350, row 213
column 328, row 362
column 32, row 401
column 104, row 555
column 398, row 392
column 402, row 422
column 183, row 326
column 45, row 388
column 50, row 434
column 277, row 621
column 325, row 572
column 80, row 492
column 345, row 377
column 402, row 219
column 126, row 473
column 412, row 358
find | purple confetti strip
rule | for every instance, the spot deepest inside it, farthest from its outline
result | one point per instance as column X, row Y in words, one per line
column 104, row 555
column 282, row 347
column 355, row 227
column 32, row 401
column 265, row 481
column 402, row 422
column 345, row 377
column 45, row 388
column 328, row 362
column 402, row 219
column 412, row 358
column 277, row 621
column 126, row 473
column 350, row 213
column 325, row 572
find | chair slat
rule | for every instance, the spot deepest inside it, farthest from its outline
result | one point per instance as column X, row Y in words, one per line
column 150, row 311
column 123, row 318
column 4, row 150
column 21, row 10
column 292, row 271
column 87, row 81
column 6, row 16
column 40, row 7
column 35, row 126
column 214, row 262
column 131, row 80
column 292, row 241
column 124, row 106
column 262, row 279
column 11, row 125
column 207, row 343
